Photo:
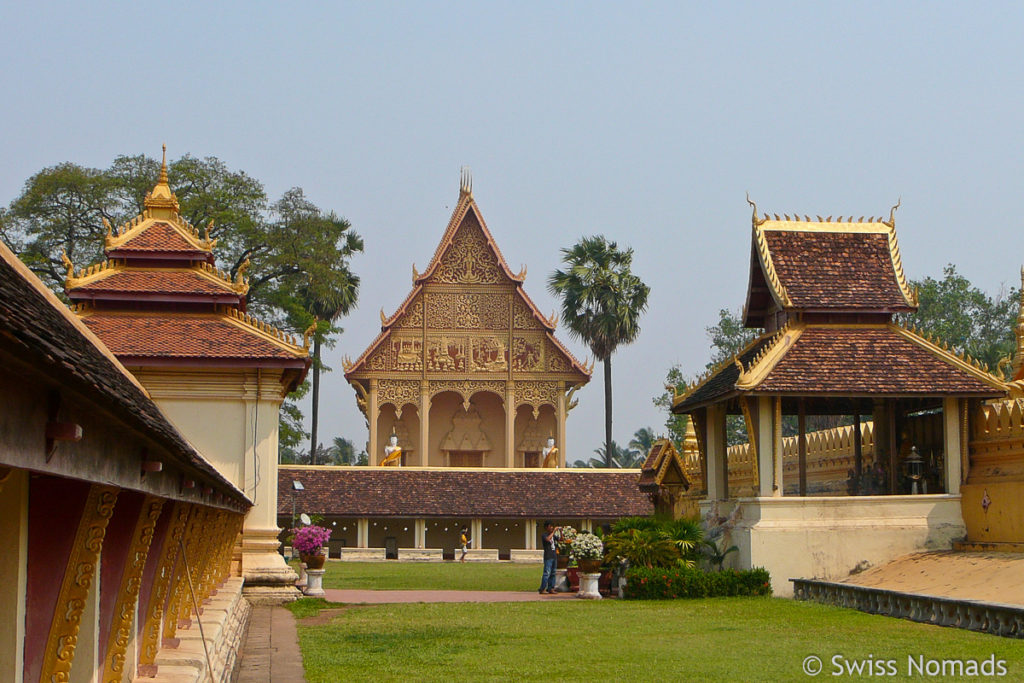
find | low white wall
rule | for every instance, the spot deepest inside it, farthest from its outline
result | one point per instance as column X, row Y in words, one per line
column 421, row 554
column 526, row 555
column 830, row 537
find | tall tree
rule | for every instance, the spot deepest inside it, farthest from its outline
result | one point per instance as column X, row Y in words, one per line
column 602, row 301
column 675, row 383
column 967, row 318
column 291, row 245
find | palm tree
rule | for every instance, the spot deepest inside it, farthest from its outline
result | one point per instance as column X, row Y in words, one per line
column 622, row 458
column 602, row 301
column 642, row 440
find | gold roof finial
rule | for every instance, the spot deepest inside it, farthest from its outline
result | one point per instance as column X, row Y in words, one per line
column 161, row 199
column 163, row 167
column 465, row 181
column 753, row 205
column 892, row 212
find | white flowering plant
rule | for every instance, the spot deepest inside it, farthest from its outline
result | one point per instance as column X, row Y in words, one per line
column 564, row 536
column 587, row 546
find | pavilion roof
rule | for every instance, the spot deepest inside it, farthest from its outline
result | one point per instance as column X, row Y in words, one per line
column 37, row 328
column 119, row 280
column 847, row 360
column 825, row 266
column 453, row 492
column 662, row 459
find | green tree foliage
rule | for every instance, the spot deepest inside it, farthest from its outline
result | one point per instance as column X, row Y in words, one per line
column 642, row 441
column 602, row 301
column 729, row 337
column 297, row 253
column 965, row 317
column 675, row 425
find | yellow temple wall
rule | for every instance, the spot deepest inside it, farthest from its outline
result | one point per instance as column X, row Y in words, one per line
column 993, row 495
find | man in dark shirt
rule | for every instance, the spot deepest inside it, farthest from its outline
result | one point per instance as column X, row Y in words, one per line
column 547, row 579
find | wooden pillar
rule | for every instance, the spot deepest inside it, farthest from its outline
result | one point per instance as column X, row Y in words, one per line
column 715, row 447
column 362, row 532
column 373, row 413
column 510, row 424
column 893, row 446
column 778, row 488
column 952, row 442
column 14, row 568
column 530, row 534
column 801, row 422
column 765, row 446
column 858, row 452
column 424, row 423
column 560, row 413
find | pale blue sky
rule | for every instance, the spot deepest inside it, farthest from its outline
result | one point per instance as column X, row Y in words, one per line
column 647, row 123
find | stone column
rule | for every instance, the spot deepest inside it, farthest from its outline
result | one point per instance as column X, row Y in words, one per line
column 362, row 533
column 952, row 441
column 424, row 423
column 510, row 424
column 530, row 534
column 421, row 533
column 268, row 579
column 373, row 413
column 715, row 444
column 560, row 413
column 476, row 533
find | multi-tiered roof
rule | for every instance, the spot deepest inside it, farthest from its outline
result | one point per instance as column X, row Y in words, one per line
column 826, row 291
column 158, row 298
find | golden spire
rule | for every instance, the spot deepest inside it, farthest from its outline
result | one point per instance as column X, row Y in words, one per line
column 161, row 201
column 466, row 181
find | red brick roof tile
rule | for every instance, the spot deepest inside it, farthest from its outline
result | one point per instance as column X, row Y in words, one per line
column 185, row 336
column 159, row 236
column 399, row 492
column 154, row 281
column 836, row 270
column 867, row 361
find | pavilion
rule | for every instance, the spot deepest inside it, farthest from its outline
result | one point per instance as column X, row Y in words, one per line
column 826, row 292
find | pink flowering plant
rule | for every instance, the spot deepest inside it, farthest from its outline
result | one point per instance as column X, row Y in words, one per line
column 310, row 540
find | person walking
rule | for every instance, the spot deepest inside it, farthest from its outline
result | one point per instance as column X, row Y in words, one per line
column 464, row 540
column 547, row 579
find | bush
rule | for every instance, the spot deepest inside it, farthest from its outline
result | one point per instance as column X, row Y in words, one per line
column 685, row 582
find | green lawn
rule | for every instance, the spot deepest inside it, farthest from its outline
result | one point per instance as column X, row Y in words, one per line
column 723, row 639
column 469, row 576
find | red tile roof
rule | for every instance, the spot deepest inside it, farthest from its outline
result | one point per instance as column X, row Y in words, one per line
column 155, row 281
column 159, row 236
column 186, row 336
column 868, row 360
column 836, row 270
column 400, row 492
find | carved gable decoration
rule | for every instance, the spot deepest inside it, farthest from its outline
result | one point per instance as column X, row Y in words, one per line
column 467, row 310
column 413, row 316
column 523, row 317
column 469, row 259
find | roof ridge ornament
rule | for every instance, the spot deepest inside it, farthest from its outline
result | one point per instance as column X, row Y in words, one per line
column 892, row 213
column 754, row 219
column 465, row 181
column 160, row 197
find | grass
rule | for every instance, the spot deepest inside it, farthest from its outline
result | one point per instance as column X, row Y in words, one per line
column 469, row 576
column 723, row 639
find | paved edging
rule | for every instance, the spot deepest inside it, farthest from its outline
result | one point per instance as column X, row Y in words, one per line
column 380, row 597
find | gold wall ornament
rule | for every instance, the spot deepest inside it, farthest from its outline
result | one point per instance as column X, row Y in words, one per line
column 488, row 354
column 398, row 392
column 150, row 642
column 537, row 394
column 447, row 354
column 407, row 353
column 469, row 259
column 413, row 316
column 122, row 629
column 522, row 317
column 527, row 354
column 466, row 388
column 178, row 595
column 75, row 587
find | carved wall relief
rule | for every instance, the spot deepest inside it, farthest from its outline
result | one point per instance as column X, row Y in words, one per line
column 490, row 354
column 527, row 354
column 523, row 317
column 469, row 259
column 398, row 392
column 466, row 433
column 556, row 360
column 378, row 360
column 467, row 310
column 537, row 394
column 408, row 354
column 466, row 388
column 413, row 314
column 446, row 354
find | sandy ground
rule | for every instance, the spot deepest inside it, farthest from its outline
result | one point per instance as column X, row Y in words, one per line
column 989, row 577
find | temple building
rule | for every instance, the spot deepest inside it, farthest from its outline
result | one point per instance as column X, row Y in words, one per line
column 468, row 380
column 115, row 529
column 826, row 292
column 179, row 325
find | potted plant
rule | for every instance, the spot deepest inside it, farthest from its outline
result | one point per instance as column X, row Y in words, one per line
column 564, row 536
column 309, row 542
column 588, row 551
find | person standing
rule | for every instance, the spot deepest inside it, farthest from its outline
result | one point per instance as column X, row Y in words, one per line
column 547, row 579
column 464, row 540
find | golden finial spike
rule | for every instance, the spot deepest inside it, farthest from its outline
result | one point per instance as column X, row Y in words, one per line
column 466, row 181
column 110, row 229
column 163, row 166
column 766, row 216
column 819, row 219
column 753, row 206
column 892, row 211
column 859, row 220
column 829, row 219
column 383, row 318
column 806, row 218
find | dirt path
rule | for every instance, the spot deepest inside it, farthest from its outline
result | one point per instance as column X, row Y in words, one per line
column 989, row 577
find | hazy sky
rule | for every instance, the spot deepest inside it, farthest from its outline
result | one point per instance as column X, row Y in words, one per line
column 645, row 122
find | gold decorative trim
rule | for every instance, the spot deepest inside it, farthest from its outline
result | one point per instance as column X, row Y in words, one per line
column 909, row 295
column 752, row 438
column 122, row 629
column 265, row 330
column 769, row 356
column 78, row 577
column 161, row 584
column 708, row 374
column 778, row 291
column 939, row 348
column 178, row 597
